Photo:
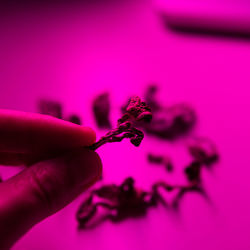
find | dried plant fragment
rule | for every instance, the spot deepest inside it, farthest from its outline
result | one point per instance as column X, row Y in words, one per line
column 161, row 160
column 136, row 111
column 150, row 97
column 203, row 150
column 118, row 202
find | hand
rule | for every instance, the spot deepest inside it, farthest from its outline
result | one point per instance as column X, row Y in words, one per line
column 58, row 169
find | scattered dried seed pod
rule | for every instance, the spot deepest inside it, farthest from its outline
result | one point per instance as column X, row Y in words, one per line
column 193, row 172
column 120, row 202
column 203, row 150
column 161, row 160
column 158, row 159
column 51, row 108
column 75, row 119
column 169, row 123
column 135, row 111
column 101, row 109
column 86, row 210
column 150, row 97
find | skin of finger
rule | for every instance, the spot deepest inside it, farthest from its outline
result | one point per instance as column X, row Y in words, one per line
column 17, row 159
column 26, row 133
column 42, row 190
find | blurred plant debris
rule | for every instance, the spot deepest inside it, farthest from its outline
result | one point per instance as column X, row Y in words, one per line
column 55, row 109
column 75, row 119
column 118, row 202
column 123, row 201
column 170, row 122
column 101, row 109
column 202, row 150
column 51, row 108
column 161, row 160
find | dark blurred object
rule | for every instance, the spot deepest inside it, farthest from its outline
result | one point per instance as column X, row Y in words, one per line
column 137, row 110
column 170, row 122
column 120, row 202
column 161, row 160
column 125, row 200
column 180, row 191
column 203, row 150
column 101, row 108
column 204, row 17
column 75, row 119
column 193, row 172
column 51, row 108
column 150, row 97
column 42, row 3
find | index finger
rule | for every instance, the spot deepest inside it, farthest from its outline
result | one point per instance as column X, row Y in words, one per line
column 31, row 133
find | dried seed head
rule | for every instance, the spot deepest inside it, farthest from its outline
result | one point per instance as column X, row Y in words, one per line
column 136, row 111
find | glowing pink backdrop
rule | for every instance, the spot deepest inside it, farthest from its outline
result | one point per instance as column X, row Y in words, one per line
column 70, row 54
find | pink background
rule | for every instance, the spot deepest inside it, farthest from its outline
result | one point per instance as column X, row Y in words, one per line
column 72, row 53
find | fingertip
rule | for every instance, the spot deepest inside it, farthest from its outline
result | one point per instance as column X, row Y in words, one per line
column 88, row 135
column 35, row 133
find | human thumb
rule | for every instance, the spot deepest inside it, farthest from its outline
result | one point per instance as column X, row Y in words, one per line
column 42, row 190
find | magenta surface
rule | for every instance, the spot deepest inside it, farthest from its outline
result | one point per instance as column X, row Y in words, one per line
column 72, row 54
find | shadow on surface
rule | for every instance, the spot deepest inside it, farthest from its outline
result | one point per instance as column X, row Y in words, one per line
column 211, row 33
